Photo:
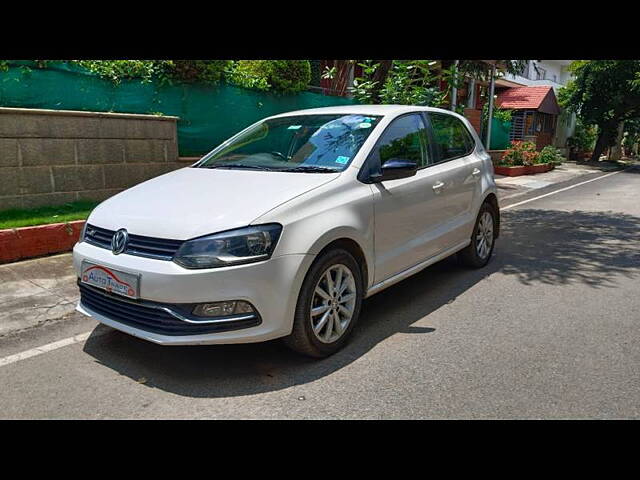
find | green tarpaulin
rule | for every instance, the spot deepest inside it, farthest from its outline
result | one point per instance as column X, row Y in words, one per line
column 208, row 114
column 500, row 134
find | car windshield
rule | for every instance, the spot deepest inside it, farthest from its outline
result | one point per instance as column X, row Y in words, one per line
column 301, row 143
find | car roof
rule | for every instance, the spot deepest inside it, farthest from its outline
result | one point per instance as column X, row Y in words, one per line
column 383, row 110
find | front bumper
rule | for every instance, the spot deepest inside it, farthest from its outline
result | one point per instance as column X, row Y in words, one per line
column 271, row 286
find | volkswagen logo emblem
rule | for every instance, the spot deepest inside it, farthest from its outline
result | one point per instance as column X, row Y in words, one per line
column 119, row 241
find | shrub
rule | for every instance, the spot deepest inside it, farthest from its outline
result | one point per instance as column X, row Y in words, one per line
column 285, row 76
column 118, row 70
column 251, row 74
column 498, row 113
column 550, row 154
column 169, row 71
column 520, row 153
column 583, row 138
column 188, row 71
column 290, row 76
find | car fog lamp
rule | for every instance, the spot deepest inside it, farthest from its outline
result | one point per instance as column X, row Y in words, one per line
column 222, row 309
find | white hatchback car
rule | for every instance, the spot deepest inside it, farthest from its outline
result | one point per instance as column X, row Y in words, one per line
column 283, row 230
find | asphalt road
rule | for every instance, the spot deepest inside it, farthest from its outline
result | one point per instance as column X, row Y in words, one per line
column 549, row 329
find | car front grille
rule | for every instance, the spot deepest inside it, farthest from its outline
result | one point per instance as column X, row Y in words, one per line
column 149, row 316
column 159, row 248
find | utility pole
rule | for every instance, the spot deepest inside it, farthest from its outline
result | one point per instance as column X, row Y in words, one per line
column 492, row 83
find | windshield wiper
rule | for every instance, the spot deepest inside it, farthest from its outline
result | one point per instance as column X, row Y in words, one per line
column 310, row 169
column 238, row 166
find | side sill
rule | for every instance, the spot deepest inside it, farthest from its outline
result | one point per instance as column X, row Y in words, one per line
column 398, row 277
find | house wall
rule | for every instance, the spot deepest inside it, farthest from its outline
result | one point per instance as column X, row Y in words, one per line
column 475, row 118
column 556, row 74
column 51, row 157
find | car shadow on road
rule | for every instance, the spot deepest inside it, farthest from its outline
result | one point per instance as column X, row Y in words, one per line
column 536, row 247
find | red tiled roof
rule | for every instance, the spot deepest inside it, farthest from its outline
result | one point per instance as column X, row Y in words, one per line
column 529, row 98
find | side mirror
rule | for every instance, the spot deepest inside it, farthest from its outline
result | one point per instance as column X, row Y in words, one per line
column 396, row 168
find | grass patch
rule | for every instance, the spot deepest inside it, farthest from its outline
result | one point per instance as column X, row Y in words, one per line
column 18, row 217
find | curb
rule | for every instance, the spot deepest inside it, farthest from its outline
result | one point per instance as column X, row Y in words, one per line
column 28, row 242
column 516, row 171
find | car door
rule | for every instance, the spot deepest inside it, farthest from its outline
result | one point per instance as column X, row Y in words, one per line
column 455, row 177
column 403, row 208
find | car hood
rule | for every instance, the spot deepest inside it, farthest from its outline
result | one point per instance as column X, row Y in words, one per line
column 192, row 202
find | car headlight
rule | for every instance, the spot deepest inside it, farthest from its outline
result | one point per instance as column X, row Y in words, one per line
column 83, row 232
column 234, row 247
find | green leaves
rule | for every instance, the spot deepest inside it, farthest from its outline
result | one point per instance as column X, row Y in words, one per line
column 583, row 138
column 550, row 154
column 284, row 76
column 164, row 71
column 408, row 82
column 287, row 76
column 603, row 91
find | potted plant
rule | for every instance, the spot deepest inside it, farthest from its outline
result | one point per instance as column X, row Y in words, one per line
column 550, row 156
column 582, row 141
column 516, row 159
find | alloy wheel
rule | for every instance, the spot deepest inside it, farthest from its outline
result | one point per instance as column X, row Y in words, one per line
column 333, row 303
column 484, row 235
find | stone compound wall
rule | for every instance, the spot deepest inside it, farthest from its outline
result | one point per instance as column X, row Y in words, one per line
column 51, row 157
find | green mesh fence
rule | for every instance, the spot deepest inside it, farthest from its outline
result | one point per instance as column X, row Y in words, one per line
column 208, row 114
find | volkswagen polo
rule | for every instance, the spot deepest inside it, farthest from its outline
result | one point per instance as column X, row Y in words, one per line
column 282, row 230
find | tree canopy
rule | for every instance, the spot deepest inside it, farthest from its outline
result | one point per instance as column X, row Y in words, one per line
column 418, row 82
column 603, row 93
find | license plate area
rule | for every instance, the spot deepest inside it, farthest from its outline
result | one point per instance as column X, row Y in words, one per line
column 110, row 279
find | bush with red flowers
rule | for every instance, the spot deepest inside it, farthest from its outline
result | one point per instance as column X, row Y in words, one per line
column 520, row 153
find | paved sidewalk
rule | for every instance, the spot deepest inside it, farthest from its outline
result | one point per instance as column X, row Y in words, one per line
column 36, row 291
column 512, row 186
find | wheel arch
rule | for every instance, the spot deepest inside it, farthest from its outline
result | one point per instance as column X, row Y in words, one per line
column 354, row 248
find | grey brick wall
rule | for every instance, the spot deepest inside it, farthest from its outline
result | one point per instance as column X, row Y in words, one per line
column 50, row 157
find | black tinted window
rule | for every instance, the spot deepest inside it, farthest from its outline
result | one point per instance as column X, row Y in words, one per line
column 451, row 137
column 405, row 139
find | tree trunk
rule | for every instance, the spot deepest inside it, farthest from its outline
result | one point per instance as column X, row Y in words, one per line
column 600, row 145
column 380, row 75
column 616, row 150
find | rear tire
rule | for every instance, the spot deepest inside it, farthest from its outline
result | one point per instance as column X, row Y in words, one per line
column 328, row 305
column 478, row 253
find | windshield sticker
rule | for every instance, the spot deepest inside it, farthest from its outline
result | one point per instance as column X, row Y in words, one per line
column 294, row 127
column 364, row 125
column 342, row 159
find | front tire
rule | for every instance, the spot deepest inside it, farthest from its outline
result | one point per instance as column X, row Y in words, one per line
column 478, row 253
column 328, row 305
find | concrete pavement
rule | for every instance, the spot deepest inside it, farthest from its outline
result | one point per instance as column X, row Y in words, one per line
column 36, row 291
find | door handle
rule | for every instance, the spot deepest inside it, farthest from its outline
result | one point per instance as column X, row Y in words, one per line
column 476, row 172
column 437, row 186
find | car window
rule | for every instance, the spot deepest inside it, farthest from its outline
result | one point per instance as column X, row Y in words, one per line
column 405, row 138
column 451, row 137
